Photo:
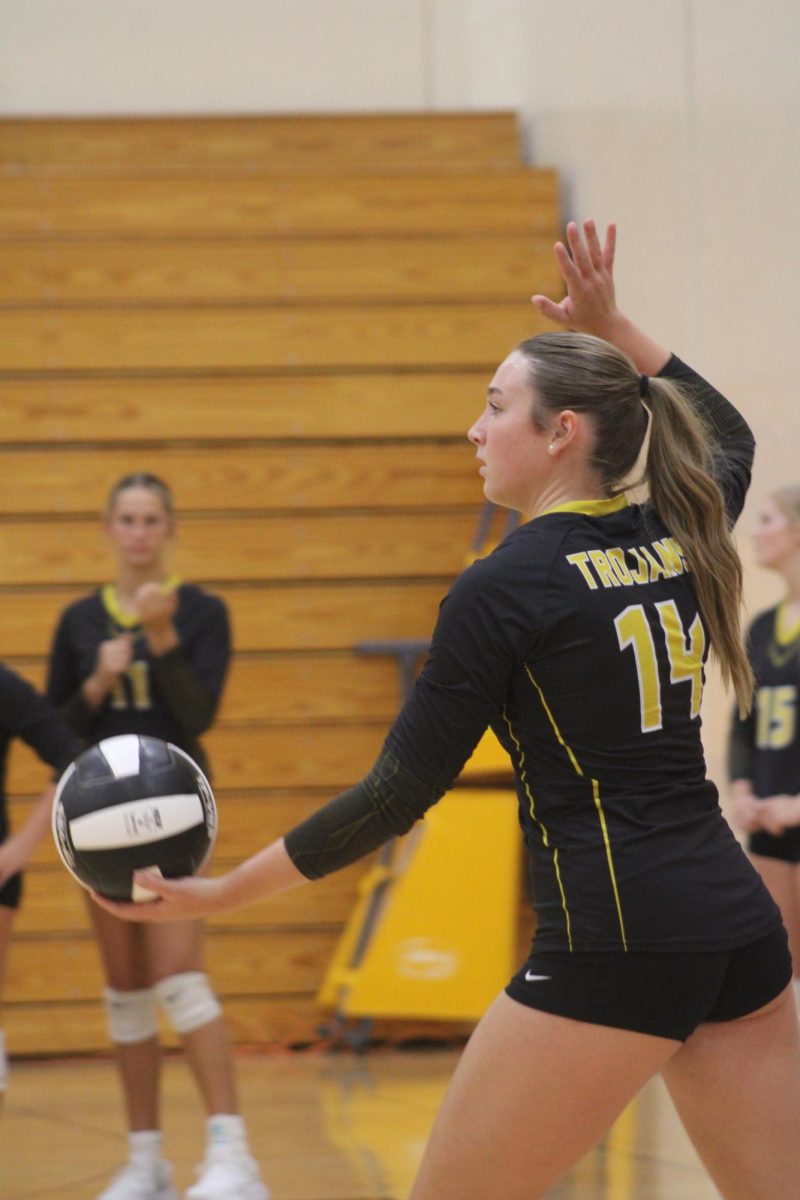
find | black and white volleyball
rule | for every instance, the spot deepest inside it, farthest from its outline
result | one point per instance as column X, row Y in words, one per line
column 133, row 803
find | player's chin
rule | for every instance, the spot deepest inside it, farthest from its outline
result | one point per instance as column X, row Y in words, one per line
column 491, row 492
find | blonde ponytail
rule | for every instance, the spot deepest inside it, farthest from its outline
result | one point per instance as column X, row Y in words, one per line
column 685, row 496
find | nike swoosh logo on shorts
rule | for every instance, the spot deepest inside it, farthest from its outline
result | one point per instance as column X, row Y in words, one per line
column 531, row 978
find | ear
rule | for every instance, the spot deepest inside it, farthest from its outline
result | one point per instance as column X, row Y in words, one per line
column 567, row 429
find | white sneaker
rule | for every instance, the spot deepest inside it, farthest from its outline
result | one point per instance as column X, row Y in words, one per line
column 228, row 1175
column 140, row 1181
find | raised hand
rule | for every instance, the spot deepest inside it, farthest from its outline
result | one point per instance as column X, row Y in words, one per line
column 587, row 268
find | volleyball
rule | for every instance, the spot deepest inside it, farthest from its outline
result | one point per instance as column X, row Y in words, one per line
column 133, row 803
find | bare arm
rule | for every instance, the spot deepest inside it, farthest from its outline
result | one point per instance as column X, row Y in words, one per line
column 265, row 873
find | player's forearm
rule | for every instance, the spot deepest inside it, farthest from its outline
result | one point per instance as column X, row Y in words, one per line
column 186, row 698
column 96, row 687
column 265, row 873
column 161, row 636
column 648, row 355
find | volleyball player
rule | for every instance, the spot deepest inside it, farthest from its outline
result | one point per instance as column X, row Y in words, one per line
column 148, row 654
column 27, row 715
column 581, row 640
column 764, row 747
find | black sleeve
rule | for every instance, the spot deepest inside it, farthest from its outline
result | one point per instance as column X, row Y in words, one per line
column 734, row 441
column 26, row 714
column 190, row 679
column 484, row 621
column 63, row 686
column 462, row 686
column 742, row 730
column 385, row 804
column 741, row 745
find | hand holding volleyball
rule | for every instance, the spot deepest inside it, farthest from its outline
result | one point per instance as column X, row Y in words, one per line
column 133, row 803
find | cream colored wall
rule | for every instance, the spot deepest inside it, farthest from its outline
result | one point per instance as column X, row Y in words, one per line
column 682, row 122
column 678, row 118
column 157, row 56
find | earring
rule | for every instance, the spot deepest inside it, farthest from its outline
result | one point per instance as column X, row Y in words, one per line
column 552, row 448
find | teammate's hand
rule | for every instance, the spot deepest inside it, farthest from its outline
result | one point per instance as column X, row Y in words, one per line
column 746, row 811
column 155, row 604
column 780, row 813
column 177, row 899
column 587, row 268
column 114, row 657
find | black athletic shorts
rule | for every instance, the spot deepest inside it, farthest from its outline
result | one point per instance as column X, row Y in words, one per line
column 785, row 846
column 11, row 892
column 656, row 992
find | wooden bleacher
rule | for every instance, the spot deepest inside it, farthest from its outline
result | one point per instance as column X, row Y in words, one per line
column 293, row 320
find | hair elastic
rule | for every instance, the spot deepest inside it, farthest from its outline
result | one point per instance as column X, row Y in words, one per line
column 644, row 386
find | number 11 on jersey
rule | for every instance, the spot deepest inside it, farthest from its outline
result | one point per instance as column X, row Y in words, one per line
column 684, row 652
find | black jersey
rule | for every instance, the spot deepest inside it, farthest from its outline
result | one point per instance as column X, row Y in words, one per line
column 27, row 715
column 765, row 746
column 579, row 641
column 172, row 696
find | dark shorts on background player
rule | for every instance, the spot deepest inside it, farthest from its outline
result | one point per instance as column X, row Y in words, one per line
column 785, row 847
column 11, row 892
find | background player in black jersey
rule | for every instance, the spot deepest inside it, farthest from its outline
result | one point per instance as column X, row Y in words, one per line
column 27, row 715
column 581, row 639
column 148, row 654
column 764, row 748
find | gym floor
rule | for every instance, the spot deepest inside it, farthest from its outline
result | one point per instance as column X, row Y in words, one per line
column 324, row 1126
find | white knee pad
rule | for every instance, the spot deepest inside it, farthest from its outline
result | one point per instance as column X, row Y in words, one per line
column 188, row 1001
column 131, row 1015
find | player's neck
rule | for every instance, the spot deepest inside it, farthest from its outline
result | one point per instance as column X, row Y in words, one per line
column 558, row 493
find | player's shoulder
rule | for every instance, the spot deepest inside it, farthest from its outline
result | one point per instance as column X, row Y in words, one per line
column 763, row 623
column 10, row 679
column 196, row 599
column 520, row 564
column 86, row 606
column 15, row 692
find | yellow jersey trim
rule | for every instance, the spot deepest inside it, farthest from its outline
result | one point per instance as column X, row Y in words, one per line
column 591, row 508
column 126, row 620
column 532, row 809
column 597, row 803
column 785, row 634
column 612, row 873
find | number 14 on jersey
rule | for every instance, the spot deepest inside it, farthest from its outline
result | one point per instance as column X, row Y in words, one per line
column 685, row 654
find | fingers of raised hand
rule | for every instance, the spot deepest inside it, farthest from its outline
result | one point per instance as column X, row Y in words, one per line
column 566, row 262
column 551, row 310
column 593, row 248
column 580, row 248
column 610, row 247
